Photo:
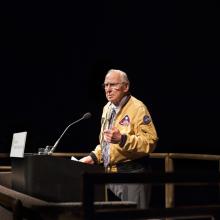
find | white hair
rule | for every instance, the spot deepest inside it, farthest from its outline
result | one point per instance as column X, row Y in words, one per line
column 123, row 75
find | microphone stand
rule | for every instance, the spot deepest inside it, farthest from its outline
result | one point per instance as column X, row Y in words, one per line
column 50, row 149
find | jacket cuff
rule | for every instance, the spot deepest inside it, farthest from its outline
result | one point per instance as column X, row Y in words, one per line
column 123, row 140
column 94, row 158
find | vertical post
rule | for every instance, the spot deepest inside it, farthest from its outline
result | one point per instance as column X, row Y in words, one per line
column 87, row 197
column 169, row 187
column 17, row 209
column 219, row 183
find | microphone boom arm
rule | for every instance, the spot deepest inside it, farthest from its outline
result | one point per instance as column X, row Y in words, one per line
column 85, row 116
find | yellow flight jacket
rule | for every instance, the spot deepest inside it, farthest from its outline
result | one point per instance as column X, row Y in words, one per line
column 133, row 121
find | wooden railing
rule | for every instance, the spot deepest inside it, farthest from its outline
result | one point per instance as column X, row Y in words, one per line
column 201, row 211
column 13, row 205
column 169, row 166
column 4, row 168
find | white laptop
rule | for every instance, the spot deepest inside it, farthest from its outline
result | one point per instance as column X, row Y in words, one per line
column 18, row 144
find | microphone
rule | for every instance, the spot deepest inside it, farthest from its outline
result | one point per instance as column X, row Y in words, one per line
column 85, row 116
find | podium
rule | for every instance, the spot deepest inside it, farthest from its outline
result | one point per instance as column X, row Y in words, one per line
column 52, row 179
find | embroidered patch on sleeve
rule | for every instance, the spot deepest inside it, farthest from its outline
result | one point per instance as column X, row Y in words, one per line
column 125, row 121
column 146, row 119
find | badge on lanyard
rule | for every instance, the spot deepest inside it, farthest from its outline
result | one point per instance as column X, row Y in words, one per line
column 125, row 121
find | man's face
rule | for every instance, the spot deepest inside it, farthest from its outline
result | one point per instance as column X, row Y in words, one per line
column 115, row 88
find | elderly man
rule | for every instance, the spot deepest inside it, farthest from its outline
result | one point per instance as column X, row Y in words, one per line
column 127, row 137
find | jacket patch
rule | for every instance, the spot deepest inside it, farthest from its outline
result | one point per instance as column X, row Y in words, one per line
column 146, row 119
column 125, row 121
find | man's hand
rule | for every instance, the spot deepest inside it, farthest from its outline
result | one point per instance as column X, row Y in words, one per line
column 87, row 159
column 112, row 135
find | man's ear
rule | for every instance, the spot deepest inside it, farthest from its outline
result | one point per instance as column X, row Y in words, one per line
column 126, row 88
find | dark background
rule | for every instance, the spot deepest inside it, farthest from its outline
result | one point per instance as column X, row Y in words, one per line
column 54, row 57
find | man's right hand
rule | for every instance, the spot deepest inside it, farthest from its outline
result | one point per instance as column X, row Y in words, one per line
column 87, row 159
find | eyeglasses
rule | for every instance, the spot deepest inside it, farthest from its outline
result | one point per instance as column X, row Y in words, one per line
column 111, row 85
